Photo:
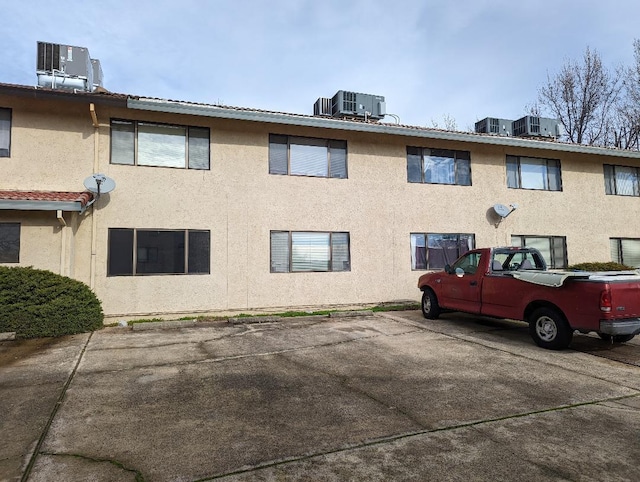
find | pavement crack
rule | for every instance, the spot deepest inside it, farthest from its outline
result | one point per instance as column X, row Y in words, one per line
column 138, row 475
column 56, row 407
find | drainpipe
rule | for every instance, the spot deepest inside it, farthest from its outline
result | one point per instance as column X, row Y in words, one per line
column 63, row 241
column 94, row 225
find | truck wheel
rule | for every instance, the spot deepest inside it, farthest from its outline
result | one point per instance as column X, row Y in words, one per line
column 616, row 338
column 549, row 329
column 430, row 307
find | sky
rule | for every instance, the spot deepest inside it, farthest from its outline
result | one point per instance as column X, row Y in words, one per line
column 432, row 60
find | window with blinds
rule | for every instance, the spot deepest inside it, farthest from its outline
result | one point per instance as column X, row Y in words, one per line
column 438, row 166
column 621, row 180
column 9, row 242
column 300, row 251
column 304, row 156
column 625, row 251
column 159, row 145
column 134, row 252
column 552, row 248
column 533, row 173
column 5, row 132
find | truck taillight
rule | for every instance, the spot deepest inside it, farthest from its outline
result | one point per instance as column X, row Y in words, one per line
column 605, row 301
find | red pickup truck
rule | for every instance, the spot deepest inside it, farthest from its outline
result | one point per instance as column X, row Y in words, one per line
column 514, row 283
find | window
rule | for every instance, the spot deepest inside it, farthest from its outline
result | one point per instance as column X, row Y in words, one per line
column 159, row 145
column 5, row 132
column 303, row 156
column 625, row 251
column 438, row 166
column 433, row 251
column 552, row 248
column 148, row 251
column 533, row 173
column 9, row 242
column 299, row 251
column 621, row 181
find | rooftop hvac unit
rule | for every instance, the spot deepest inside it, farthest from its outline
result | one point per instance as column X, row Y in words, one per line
column 322, row 106
column 354, row 104
column 67, row 67
column 533, row 126
column 493, row 125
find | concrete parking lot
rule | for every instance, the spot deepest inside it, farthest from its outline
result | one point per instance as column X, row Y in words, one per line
column 386, row 396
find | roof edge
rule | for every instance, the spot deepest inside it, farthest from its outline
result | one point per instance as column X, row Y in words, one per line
column 206, row 110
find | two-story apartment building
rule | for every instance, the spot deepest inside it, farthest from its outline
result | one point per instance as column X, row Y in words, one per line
column 220, row 208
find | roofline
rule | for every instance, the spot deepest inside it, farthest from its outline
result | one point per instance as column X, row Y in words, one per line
column 206, row 110
column 33, row 205
column 105, row 98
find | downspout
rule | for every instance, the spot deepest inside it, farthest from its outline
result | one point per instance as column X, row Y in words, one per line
column 94, row 226
column 63, row 242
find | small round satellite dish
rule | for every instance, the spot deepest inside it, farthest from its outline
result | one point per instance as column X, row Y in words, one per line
column 501, row 210
column 99, row 184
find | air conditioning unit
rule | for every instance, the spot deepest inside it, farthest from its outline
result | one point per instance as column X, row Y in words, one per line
column 355, row 104
column 322, row 106
column 493, row 125
column 67, row 67
column 533, row 126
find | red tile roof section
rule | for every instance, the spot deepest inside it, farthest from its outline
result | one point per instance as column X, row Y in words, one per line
column 48, row 196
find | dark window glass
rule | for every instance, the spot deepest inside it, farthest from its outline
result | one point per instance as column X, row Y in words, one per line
column 278, row 160
column 198, row 148
column 120, row 252
column 435, row 250
column 5, row 132
column 160, row 252
column 438, row 166
column 199, row 249
column 122, row 142
column 9, row 242
column 533, row 173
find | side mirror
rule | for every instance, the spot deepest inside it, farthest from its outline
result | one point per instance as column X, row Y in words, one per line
column 447, row 269
column 459, row 272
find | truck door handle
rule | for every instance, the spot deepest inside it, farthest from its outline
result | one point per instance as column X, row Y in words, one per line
column 473, row 283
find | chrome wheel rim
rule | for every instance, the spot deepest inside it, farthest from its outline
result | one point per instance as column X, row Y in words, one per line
column 426, row 304
column 546, row 328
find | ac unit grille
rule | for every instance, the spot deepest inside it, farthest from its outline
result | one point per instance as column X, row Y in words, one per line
column 48, row 57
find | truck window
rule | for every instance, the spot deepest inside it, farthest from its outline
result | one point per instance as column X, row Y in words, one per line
column 469, row 263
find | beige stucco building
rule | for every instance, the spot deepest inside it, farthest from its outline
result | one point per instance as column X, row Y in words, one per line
column 228, row 209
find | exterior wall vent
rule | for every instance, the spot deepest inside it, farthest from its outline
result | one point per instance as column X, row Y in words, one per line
column 346, row 104
column 67, row 67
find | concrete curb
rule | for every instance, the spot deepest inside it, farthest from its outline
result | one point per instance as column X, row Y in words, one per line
column 8, row 336
column 164, row 325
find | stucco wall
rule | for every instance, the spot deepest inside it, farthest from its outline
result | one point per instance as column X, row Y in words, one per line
column 240, row 203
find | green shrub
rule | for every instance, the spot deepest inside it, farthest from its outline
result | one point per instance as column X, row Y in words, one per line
column 36, row 303
column 600, row 266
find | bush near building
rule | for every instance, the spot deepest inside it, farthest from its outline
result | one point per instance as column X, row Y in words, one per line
column 37, row 303
column 600, row 266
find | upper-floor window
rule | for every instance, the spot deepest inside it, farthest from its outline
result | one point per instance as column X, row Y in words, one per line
column 533, row 173
column 9, row 242
column 552, row 248
column 625, row 251
column 158, row 251
column 621, row 180
column 309, row 251
column 5, row 132
column 438, row 166
column 435, row 250
column 305, row 156
column 160, row 145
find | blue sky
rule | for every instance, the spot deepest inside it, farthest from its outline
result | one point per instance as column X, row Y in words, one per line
column 466, row 59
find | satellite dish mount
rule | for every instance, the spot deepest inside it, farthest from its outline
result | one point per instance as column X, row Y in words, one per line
column 503, row 211
column 99, row 184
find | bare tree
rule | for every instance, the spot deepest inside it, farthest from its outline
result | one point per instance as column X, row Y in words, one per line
column 625, row 124
column 582, row 96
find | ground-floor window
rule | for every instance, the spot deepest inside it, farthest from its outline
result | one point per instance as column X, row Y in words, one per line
column 552, row 248
column 9, row 242
column 158, row 251
column 625, row 251
column 300, row 251
column 435, row 250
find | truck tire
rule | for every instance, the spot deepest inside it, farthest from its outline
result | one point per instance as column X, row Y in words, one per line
column 430, row 307
column 616, row 338
column 549, row 330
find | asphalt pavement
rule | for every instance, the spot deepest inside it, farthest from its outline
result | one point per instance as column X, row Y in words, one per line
column 387, row 396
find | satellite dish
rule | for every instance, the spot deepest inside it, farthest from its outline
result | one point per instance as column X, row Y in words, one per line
column 99, row 184
column 501, row 210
